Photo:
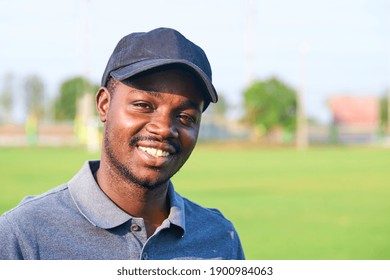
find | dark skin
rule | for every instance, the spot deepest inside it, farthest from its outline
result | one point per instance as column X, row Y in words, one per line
column 151, row 126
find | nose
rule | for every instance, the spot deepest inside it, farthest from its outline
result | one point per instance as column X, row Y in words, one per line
column 163, row 125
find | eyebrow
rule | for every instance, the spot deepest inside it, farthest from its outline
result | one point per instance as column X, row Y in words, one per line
column 151, row 92
column 185, row 104
column 190, row 104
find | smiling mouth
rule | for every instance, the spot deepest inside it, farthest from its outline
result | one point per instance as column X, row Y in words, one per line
column 154, row 152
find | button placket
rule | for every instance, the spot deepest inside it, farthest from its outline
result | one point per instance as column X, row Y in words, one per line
column 135, row 227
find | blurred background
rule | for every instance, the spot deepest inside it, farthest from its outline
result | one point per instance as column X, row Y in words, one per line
column 295, row 153
column 332, row 57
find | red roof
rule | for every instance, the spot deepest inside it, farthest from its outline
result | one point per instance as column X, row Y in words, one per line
column 355, row 110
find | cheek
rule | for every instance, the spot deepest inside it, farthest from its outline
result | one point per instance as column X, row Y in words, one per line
column 117, row 133
column 123, row 123
column 189, row 139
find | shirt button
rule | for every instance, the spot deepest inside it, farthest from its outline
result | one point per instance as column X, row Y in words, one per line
column 134, row 227
column 145, row 256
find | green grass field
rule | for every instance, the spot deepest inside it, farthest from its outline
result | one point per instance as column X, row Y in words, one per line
column 322, row 203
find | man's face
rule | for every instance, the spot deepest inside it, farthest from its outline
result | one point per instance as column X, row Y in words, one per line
column 151, row 126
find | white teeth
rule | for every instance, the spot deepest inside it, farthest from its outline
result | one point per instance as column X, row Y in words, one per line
column 155, row 152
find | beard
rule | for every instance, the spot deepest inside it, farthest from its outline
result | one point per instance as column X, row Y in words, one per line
column 126, row 171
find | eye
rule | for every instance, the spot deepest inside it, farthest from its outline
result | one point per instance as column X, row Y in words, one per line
column 142, row 105
column 187, row 119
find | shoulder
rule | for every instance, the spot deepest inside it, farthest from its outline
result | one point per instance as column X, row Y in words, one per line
column 193, row 206
column 35, row 218
column 42, row 199
column 56, row 201
column 196, row 213
column 38, row 206
column 209, row 226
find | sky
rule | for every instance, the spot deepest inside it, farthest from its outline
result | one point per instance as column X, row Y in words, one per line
column 319, row 47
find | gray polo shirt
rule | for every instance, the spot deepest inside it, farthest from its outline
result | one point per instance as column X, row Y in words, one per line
column 78, row 221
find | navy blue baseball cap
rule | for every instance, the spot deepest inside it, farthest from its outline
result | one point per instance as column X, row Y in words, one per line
column 143, row 51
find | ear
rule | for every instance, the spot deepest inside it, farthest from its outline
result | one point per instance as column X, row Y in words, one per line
column 103, row 99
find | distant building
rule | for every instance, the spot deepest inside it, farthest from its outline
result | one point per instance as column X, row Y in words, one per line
column 355, row 118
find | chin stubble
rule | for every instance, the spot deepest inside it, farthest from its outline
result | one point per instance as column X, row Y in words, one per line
column 124, row 171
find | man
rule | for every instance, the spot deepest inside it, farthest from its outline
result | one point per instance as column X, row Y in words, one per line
column 154, row 89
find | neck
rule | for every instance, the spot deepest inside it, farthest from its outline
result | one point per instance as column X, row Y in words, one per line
column 150, row 204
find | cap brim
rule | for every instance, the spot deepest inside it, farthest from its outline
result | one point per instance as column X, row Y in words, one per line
column 128, row 71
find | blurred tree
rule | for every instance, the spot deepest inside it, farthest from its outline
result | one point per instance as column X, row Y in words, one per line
column 269, row 105
column 71, row 90
column 34, row 89
column 6, row 98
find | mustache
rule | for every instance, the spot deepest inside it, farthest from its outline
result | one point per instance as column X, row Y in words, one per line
column 136, row 139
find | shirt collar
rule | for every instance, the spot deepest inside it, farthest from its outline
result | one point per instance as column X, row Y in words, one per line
column 177, row 212
column 100, row 211
column 92, row 202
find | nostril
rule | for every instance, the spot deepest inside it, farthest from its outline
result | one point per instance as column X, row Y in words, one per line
column 165, row 129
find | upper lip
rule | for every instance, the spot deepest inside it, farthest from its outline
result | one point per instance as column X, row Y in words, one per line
column 158, row 146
